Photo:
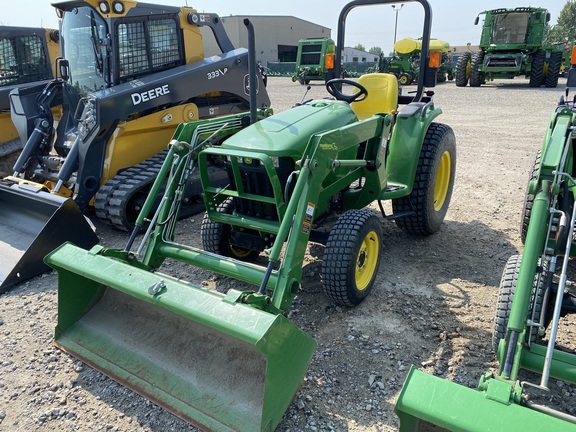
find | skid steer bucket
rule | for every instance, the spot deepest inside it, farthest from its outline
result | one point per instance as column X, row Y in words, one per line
column 216, row 363
column 32, row 223
column 427, row 403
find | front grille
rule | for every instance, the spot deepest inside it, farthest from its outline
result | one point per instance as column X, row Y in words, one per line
column 511, row 62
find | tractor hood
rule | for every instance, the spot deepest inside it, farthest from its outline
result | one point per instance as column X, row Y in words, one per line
column 288, row 132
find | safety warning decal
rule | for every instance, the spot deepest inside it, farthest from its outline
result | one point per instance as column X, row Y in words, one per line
column 307, row 224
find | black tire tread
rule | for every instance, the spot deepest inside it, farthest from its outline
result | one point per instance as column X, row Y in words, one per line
column 528, row 197
column 420, row 222
column 554, row 63
column 475, row 74
column 504, row 303
column 339, row 252
column 461, row 66
column 537, row 69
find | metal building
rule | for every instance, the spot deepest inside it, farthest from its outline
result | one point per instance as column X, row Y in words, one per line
column 276, row 36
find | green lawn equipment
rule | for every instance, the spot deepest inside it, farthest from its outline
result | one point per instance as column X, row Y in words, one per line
column 233, row 361
column 534, row 293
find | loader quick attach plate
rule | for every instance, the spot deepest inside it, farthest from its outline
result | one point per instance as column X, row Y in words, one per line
column 216, row 363
column 34, row 222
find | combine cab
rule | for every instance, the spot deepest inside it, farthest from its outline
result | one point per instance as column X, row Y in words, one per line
column 233, row 361
column 129, row 76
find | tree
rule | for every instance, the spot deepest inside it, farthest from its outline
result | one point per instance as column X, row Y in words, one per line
column 360, row 47
column 375, row 50
column 565, row 29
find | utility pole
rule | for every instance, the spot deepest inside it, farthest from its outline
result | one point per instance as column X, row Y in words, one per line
column 396, row 9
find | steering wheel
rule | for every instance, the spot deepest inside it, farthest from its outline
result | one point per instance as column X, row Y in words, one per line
column 333, row 86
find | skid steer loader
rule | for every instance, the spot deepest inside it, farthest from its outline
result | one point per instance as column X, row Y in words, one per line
column 132, row 72
column 535, row 291
column 27, row 55
column 233, row 362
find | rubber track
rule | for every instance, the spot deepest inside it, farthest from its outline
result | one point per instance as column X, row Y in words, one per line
column 113, row 196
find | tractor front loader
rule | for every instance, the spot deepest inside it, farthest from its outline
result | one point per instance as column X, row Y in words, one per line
column 233, row 362
column 27, row 57
column 535, row 292
column 131, row 73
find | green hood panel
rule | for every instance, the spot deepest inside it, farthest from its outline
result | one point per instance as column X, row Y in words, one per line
column 287, row 133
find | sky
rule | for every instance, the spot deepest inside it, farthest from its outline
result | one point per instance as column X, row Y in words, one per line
column 371, row 26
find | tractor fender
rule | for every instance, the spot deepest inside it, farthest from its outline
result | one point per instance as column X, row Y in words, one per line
column 406, row 142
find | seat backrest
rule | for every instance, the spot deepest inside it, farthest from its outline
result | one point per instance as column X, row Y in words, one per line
column 382, row 95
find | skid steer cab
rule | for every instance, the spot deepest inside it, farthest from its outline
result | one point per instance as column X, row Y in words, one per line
column 27, row 57
column 233, row 361
column 536, row 290
column 130, row 73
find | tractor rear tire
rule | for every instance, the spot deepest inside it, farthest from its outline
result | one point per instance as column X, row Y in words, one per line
column 528, row 197
column 537, row 69
column 352, row 257
column 553, row 72
column 506, row 295
column 216, row 236
column 463, row 70
column 476, row 77
column 428, row 202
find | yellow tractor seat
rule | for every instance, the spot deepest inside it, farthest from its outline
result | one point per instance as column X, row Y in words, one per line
column 382, row 95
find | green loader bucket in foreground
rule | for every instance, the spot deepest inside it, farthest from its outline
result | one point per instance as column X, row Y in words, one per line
column 33, row 223
column 221, row 365
column 427, row 400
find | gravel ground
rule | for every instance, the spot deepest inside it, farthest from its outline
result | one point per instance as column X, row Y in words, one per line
column 432, row 305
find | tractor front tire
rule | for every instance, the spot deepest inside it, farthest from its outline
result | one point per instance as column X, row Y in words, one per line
column 216, row 236
column 476, row 77
column 528, row 197
column 405, row 79
column 463, row 69
column 553, row 72
column 506, row 295
column 427, row 204
column 537, row 69
column 352, row 257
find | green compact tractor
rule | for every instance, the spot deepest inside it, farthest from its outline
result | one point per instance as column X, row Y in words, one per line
column 535, row 291
column 512, row 44
column 233, row 362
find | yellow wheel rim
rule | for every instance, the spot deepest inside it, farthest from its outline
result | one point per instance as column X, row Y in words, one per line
column 403, row 80
column 239, row 252
column 442, row 180
column 366, row 260
column 468, row 66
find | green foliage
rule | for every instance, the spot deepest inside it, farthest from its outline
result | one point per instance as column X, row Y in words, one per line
column 565, row 29
column 360, row 47
column 375, row 50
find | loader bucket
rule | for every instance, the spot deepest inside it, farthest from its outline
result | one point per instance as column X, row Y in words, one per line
column 216, row 363
column 427, row 403
column 34, row 222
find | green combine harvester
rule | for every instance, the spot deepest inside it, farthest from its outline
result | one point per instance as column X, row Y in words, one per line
column 512, row 44
column 233, row 361
column 535, row 292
